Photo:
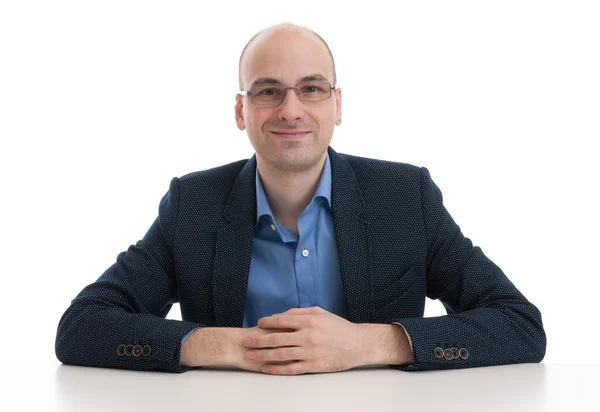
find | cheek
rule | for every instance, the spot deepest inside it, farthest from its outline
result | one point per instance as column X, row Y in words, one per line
column 327, row 119
column 256, row 119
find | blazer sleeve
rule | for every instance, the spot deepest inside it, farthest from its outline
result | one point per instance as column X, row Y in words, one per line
column 488, row 321
column 119, row 320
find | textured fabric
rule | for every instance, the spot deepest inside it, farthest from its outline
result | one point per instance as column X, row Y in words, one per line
column 396, row 243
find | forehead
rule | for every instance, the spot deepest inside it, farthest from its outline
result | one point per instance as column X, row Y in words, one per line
column 286, row 56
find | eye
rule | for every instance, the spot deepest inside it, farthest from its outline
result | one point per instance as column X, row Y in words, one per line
column 311, row 89
column 269, row 92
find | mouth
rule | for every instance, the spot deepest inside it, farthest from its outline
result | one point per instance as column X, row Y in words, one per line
column 290, row 134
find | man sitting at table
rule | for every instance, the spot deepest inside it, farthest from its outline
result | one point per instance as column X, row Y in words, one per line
column 300, row 259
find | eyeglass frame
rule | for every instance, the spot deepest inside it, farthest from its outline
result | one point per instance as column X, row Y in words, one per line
column 246, row 93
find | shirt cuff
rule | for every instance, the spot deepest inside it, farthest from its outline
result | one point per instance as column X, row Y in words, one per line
column 188, row 334
column 407, row 335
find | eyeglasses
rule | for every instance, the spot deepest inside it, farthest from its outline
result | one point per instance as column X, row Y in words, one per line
column 273, row 94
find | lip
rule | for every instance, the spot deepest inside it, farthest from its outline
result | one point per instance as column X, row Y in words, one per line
column 290, row 133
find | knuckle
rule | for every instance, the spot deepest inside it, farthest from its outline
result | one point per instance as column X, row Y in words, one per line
column 313, row 337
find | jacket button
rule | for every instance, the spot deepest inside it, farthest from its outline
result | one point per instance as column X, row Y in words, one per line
column 448, row 354
column 147, row 350
column 463, row 353
column 455, row 353
column 439, row 353
column 128, row 350
column 121, row 350
column 137, row 350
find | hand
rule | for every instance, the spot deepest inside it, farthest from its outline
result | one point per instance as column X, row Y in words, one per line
column 239, row 358
column 320, row 342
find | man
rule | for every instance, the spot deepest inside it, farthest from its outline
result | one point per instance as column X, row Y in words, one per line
column 300, row 260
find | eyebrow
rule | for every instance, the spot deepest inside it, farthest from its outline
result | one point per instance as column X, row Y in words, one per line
column 270, row 80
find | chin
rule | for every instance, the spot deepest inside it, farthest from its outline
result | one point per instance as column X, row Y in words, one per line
column 294, row 162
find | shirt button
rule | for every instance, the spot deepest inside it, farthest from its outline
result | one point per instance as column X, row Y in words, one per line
column 273, row 227
column 305, row 253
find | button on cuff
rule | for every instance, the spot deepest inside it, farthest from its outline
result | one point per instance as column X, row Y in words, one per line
column 121, row 350
column 137, row 351
column 147, row 350
column 129, row 350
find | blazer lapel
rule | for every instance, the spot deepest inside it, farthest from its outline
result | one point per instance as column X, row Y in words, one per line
column 233, row 251
column 352, row 237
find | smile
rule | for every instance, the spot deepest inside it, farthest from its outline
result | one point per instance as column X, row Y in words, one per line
column 290, row 134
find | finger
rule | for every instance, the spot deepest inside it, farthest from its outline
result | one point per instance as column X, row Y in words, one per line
column 302, row 311
column 283, row 322
column 294, row 368
column 278, row 354
column 273, row 340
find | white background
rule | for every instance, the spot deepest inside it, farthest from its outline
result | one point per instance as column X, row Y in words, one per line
column 102, row 103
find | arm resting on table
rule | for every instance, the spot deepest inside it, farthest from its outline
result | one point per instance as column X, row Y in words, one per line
column 126, row 307
column 489, row 322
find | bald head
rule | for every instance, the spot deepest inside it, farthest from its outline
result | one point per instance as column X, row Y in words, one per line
column 279, row 29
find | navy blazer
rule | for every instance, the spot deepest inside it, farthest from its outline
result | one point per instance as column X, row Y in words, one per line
column 396, row 242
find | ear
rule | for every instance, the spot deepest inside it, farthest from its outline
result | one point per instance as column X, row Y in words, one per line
column 239, row 112
column 338, row 106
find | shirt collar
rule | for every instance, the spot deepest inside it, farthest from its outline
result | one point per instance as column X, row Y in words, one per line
column 323, row 190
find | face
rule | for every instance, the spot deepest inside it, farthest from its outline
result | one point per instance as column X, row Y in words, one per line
column 293, row 136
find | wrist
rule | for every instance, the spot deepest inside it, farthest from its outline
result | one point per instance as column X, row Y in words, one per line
column 384, row 344
column 208, row 347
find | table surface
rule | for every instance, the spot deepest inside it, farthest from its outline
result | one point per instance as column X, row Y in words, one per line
column 52, row 386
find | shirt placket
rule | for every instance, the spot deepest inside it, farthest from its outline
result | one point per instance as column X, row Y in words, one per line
column 306, row 261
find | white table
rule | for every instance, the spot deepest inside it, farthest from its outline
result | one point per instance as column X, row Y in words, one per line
column 526, row 387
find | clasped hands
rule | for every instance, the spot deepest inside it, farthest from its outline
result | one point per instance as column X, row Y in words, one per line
column 316, row 341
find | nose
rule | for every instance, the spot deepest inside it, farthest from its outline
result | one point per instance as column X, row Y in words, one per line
column 291, row 108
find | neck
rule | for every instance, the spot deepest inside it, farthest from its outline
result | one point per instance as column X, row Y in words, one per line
column 289, row 193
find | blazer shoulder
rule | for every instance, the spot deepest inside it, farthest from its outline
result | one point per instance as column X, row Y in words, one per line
column 228, row 171
column 210, row 186
column 364, row 166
